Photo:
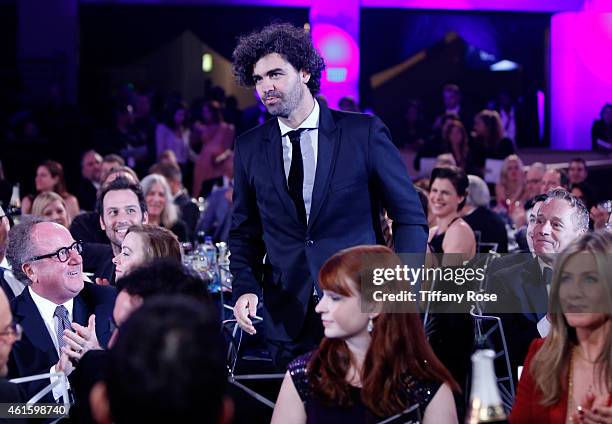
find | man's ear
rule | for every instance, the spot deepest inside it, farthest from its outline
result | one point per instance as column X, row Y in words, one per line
column 305, row 76
column 100, row 407
column 102, row 224
column 145, row 217
column 29, row 271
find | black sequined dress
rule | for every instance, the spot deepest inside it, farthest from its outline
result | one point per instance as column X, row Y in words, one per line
column 419, row 392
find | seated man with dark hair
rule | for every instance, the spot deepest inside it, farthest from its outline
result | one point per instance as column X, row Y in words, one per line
column 168, row 365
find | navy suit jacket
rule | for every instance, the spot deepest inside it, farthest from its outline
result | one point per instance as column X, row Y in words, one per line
column 359, row 170
column 522, row 290
column 35, row 353
column 217, row 218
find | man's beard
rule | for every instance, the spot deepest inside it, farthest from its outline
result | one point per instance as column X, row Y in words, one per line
column 287, row 103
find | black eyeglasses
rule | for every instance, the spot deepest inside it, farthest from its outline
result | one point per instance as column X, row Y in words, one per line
column 13, row 330
column 62, row 254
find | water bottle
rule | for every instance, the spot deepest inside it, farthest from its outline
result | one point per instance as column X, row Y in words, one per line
column 199, row 260
column 223, row 263
column 210, row 252
column 14, row 208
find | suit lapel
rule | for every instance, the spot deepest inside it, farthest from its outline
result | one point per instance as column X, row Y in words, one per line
column 535, row 291
column 33, row 325
column 79, row 311
column 275, row 161
column 329, row 141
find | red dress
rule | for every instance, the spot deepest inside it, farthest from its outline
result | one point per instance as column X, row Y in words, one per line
column 527, row 408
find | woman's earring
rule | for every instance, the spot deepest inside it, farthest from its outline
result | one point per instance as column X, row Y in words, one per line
column 370, row 325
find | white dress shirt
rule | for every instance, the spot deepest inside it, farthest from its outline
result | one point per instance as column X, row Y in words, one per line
column 309, row 143
column 46, row 309
column 15, row 285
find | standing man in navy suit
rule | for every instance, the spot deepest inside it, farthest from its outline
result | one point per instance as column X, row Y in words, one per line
column 307, row 183
column 61, row 316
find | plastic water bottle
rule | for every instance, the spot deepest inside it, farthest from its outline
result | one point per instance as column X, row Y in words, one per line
column 210, row 252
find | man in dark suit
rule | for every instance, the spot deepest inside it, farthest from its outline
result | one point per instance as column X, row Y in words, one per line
column 91, row 169
column 8, row 283
column 306, row 184
column 523, row 288
column 9, row 334
column 60, row 314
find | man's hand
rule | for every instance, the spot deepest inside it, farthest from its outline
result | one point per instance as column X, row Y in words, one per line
column 64, row 363
column 102, row 281
column 82, row 340
column 245, row 307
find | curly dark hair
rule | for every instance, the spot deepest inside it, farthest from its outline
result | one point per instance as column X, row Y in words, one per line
column 292, row 43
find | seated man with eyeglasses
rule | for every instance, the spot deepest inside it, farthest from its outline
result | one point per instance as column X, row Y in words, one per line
column 61, row 315
column 10, row 332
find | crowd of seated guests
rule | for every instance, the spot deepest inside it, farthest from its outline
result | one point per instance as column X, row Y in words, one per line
column 470, row 138
column 126, row 223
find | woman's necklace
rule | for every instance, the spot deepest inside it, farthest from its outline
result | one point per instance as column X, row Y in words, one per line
column 570, row 389
column 570, row 381
column 584, row 356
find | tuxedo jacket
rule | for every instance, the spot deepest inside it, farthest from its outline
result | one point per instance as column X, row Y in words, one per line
column 35, row 353
column 8, row 291
column 87, row 195
column 358, row 172
column 190, row 213
column 86, row 228
column 522, row 289
column 98, row 259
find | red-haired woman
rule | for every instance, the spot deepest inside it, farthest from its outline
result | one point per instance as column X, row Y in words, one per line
column 370, row 365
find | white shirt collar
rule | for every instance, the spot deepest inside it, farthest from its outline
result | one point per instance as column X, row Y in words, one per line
column 311, row 122
column 47, row 308
column 4, row 264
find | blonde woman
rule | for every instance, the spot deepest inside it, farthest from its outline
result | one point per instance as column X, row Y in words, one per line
column 51, row 206
column 510, row 190
column 160, row 205
column 567, row 376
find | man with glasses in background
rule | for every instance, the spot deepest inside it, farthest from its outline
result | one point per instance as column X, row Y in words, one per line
column 10, row 332
column 60, row 314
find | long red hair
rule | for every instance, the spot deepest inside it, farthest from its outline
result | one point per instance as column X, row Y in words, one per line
column 399, row 347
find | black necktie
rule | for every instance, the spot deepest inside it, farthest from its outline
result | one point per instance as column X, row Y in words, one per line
column 547, row 275
column 296, row 175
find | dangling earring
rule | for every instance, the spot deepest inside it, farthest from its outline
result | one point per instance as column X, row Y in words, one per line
column 370, row 325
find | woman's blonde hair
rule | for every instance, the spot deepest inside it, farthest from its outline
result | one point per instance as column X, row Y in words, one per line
column 504, row 171
column 44, row 199
column 170, row 213
column 550, row 365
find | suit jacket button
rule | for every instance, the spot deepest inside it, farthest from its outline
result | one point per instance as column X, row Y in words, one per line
column 309, row 243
